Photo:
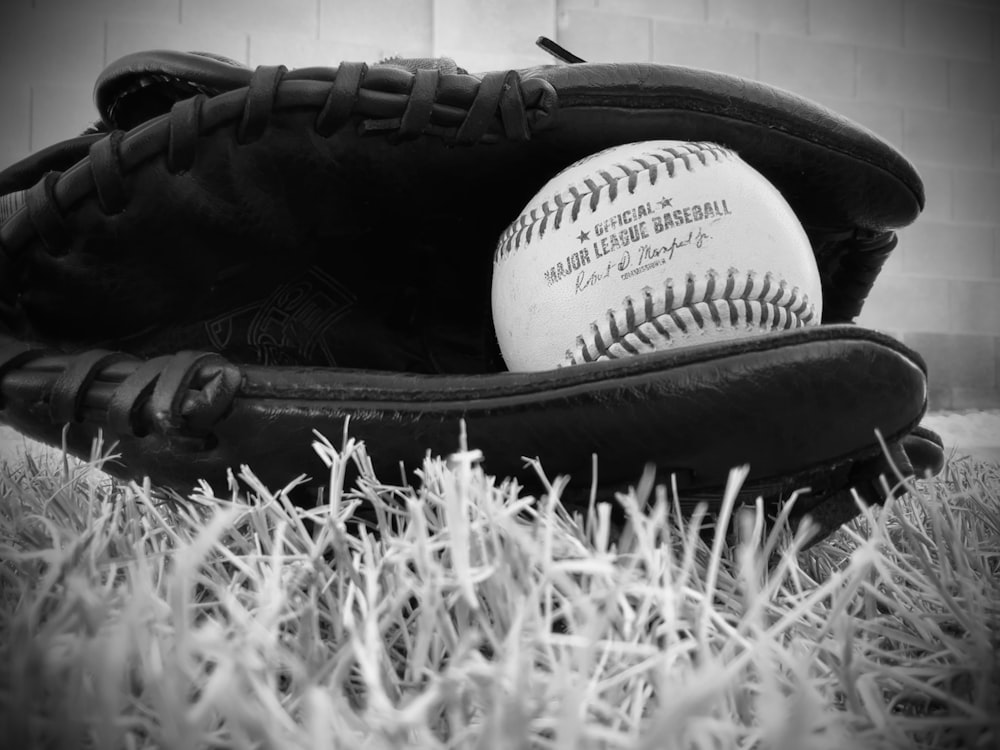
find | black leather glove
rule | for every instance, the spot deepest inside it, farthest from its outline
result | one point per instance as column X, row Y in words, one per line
column 231, row 259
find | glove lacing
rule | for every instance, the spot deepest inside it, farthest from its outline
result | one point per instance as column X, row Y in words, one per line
column 185, row 393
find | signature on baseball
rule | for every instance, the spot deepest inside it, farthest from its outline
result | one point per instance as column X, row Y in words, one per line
column 645, row 258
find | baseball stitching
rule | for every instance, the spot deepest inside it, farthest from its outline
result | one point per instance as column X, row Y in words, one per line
column 665, row 160
column 668, row 314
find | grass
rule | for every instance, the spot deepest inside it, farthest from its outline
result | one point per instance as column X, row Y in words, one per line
column 468, row 615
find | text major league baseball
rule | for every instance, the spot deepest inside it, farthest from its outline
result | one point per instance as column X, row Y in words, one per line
column 638, row 223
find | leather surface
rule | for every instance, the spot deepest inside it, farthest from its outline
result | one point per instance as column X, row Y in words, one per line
column 788, row 404
column 925, row 449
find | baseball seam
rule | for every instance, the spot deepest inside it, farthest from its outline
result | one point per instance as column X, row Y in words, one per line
column 749, row 300
column 536, row 221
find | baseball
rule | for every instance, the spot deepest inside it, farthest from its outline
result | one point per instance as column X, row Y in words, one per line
column 649, row 246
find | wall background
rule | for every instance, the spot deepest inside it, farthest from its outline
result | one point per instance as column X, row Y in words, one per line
column 923, row 74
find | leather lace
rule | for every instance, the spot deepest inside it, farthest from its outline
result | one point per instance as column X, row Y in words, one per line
column 462, row 109
column 182, row 394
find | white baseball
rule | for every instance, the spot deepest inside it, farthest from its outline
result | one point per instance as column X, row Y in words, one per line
column 647, row 246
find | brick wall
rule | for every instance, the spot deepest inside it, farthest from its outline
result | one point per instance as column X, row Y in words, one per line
column 921, row 73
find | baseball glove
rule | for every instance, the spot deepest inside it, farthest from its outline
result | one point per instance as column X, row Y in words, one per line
column 231, row 259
